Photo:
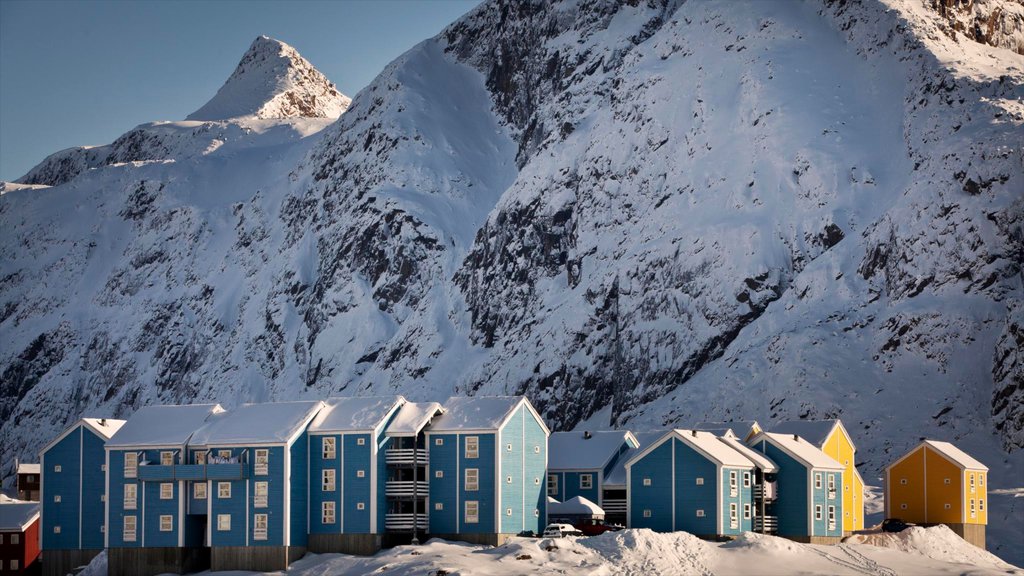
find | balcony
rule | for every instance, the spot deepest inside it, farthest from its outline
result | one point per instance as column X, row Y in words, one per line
column 233, row 471
column 404, row 522
column 155, row 472
column 765, row 491
column 766, row 524
column 406, row 488
column 614, row 506
column 405, row 456
column 831, row 494
column 190, row 472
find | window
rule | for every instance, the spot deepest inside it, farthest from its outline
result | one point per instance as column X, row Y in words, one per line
column 472, row 479
column 472, row 512
column 360, row 473
column 700, row 513
column 536, row 449
column 817, row 480
column 14, row 565
column 56, row 529
column 831, row 517
column 945, row 481
column 131, row 494
column 536, row 480
column 508, row 511
column 973, row 512
column 131, row 464
column 508, row 447
column 948, row 506
column 508, row 479
column 746, row 511
column 167, row 458
column 15, row 538
column 981, row 504
column 472, row 446
column 360, row 506
column 981, row 479
column 700, row 481
column 223, row 489
column 552, row 484
column 438, row 506
column 817, row 511
column 129, row 529
column 903, row 506
column 732, row 483
column 438, row 441
column 536, row 513
column 166, row 522
column 438, row 473
column 199, row 491
column 903, row 481
column 586, row 481
column 327, row 513
column 103, row 528
column 2, row 538
column 166, row 491
column 746, row 479
column 262, row 462
column 831, row 482
column 647, row 481
column 328, row 481
column 200, row 457
column 360, row 441
column 224, row 522
column 225, row 454
column 647, row 513
column 259, row 527
column 734, row 521
column 260, row 497
column 56, row 498
column 329, row 449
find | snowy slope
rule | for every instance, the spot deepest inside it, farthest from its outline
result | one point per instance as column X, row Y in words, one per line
column 672, row 212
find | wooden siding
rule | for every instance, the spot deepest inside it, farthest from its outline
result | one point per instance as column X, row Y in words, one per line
column 356, row 458
column 299, row 485
column 67, row 485
column 522, row 482
column 449, row 490
column 791, row 504
column 840, row 447
column 656, row 465
column 689, row 496
column 445, row 490
column 926, row 493
column 241, row 504
column 535, row 466
column 317, row 496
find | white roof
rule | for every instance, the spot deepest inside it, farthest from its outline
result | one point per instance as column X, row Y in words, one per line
column 413, row 417
column 24, row 468
column 162, row 425
column 738, row 427
column 617, row 476
column 958, row 456
column 710, row 445
column 574, row 451
column 801, row 449
column 267, row 423
column 814, row 431
column 354, row 413
column 574, row 506
column 17, row 516
column 104, row 427
column 475, row 413
column 763, row 462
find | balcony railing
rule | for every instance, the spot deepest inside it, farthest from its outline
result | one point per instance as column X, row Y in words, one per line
column 614, row 506
column 831, row 494
column 406, row 488
column 405, row 456
column 765, row 491
column 766, row 523
column 404, row 522
column 155, row 472
column 234, row 471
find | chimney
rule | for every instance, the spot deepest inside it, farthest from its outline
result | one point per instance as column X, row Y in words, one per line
column 693, row 433
column 103, row 421
column 587, row 435
column 796, row 437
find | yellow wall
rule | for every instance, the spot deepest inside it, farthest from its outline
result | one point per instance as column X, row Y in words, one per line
column 979, row 494
column 941, row 494
column 944, row 496
column 839, row 446
column 904, row 489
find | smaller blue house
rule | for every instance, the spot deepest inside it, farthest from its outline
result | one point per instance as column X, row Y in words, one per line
column 488, row 461
column 73, row 470
column 689, row 480
column 580, row 462
column 808, row 504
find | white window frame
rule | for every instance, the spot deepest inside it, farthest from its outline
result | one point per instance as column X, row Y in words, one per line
column 508, row 479
column 817, row 480
column 167, row 491
column 56, row 529
column 974, row 511
column 200, row 457
column 746, row 511
column 508, row 447
column 360, row 506
column 329, row 449
column 328, row 513
column 56, row 468
column 586, row 481
column 223, row 490
column 474, row 484
column 831, row 517
column 131, row 465
column 129, row 528
column 166, row 523
column 733, row 483
column 438, row 441
column 199, row 491
column 734, row 516
column 817, row 512
column 131, row 497
column 260, row 523
column 261, row 462
column 360, row 474
column 56, row 498
column 223, row 522
column 981, row 504
column 699, row 481
column 15, row 538
column 700, row 513
column 508, row 511
column 647, row 513
column 328, row 480
column 746, row 479
column 647, row 482
column 981, row 479
column 831, row 482
column 472, row 447
column 224, row 454
column 474, row 517
column 261, row 494
column 167, row 458
column 438, row 506
column 360, row 441
column 552, row 486
column 438, row 473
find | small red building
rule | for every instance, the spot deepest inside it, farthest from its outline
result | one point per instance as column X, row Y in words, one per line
column 19, row 537
column 28, row 482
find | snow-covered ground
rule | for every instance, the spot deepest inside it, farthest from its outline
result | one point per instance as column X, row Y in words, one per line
column 933, row 551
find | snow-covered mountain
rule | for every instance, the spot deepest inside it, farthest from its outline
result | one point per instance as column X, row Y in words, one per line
column 650, row 212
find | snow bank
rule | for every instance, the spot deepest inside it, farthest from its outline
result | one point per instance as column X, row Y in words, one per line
column 937, row 542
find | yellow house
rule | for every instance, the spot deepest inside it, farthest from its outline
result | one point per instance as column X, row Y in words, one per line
column 831, row 437
column 937, row 483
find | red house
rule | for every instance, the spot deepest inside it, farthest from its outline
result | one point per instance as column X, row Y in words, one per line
column 19, row 537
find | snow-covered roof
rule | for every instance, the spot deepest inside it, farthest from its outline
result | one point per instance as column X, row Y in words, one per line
column 354, row 413
column 800, row 449
column 763, row 462
column 711, row 446
column 26, row 468
column 814, row 431
column 463, row 413
column 577, row 451
column 104, row 427
column 739, row 428
column 17, row 516
column 575, row 506
column 412, row 417
column 617, row 476
column 266, row 423
column 162, row 425
column 958, row 456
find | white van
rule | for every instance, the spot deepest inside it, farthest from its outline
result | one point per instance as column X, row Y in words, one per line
column 559, row 530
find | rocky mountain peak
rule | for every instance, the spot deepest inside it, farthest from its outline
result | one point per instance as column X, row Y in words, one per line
column 273, row 80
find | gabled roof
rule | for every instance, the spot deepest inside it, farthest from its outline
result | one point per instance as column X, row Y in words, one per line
column 583, row 450
column 481, row 413
column 739, row 428
column 799, row 449
column 18, row 516
column 26, row 468
column 704, row 442
column 413, row 417
column 265, row 423
column 162, row 425
column 617, row 476
column 355, row 413
column 577, row 505
column 763, row 462
column 814, row 431
column 103, row 427
column 951, row 452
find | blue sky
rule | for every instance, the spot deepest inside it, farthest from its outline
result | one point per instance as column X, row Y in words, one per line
column 85, row 72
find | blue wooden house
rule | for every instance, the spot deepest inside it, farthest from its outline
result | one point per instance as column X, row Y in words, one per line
column 689, row 480
column 406, row 488
column 254, row 463
column 72, row 469
column 347, row 475
column 614, row 497
column 580, row 462
column 808, row 504
column 487, row 465
column 150, row 527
